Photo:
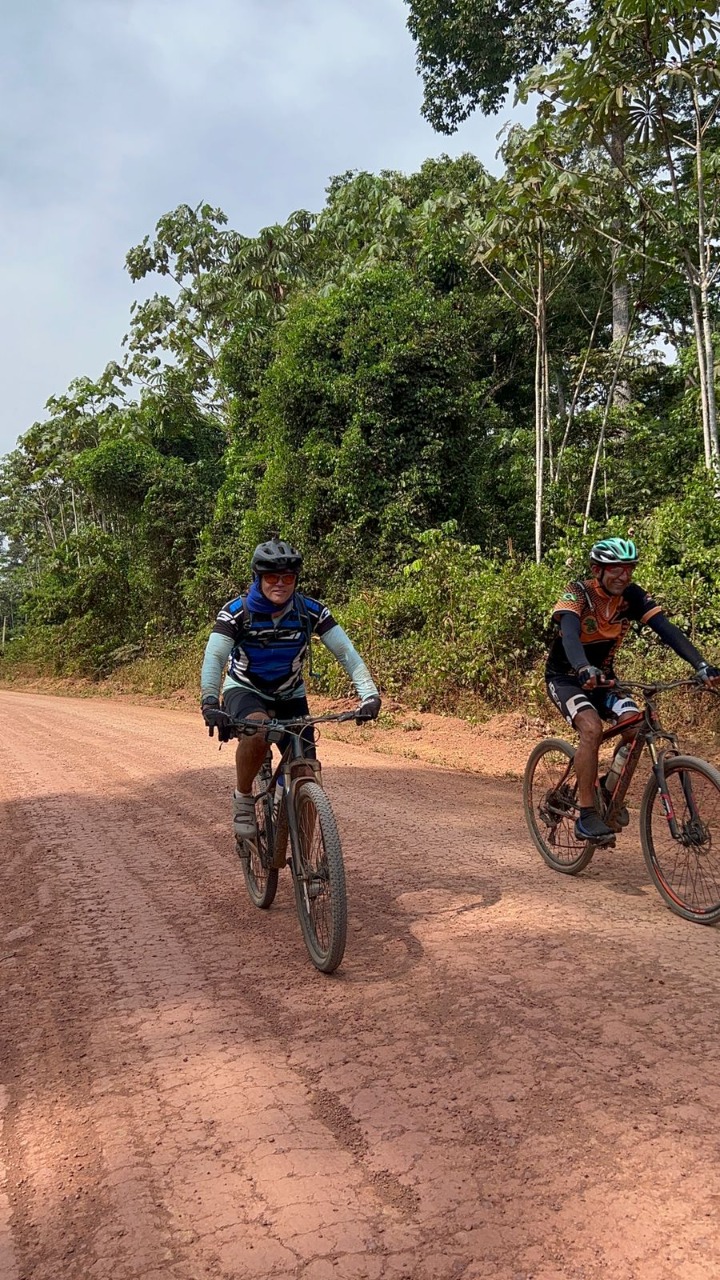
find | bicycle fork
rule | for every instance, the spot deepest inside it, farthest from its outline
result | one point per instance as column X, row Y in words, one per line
column 658, row 759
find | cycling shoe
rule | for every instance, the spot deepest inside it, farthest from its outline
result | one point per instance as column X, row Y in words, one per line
column 593, row 828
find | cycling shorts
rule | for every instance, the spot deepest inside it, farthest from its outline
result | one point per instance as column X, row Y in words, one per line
column 239, row 703
column 570, row 699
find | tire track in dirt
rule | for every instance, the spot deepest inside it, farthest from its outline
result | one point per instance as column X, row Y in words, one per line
column 514, row 1073
column 92, row 876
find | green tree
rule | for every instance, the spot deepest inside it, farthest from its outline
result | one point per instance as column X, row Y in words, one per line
column 471, row 51
column 649, row 75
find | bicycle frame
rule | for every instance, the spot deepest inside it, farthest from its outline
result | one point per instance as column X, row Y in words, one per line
column 648, row 732
column 294, row 767
column 291, row 761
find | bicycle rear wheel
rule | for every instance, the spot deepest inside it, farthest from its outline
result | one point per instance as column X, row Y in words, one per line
column 319, row 878
column 261, row 879
column 686, row 870
column 550, row 802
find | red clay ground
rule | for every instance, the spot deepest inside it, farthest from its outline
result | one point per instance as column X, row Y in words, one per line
column 515, row 1074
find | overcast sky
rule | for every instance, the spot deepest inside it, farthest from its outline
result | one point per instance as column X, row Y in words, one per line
column 116, row 111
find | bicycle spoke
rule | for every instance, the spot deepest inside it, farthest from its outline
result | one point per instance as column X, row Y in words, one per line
column 315, row 886
column 687, row 869
column 260, row 878
column 550, row 798
column 319, row 879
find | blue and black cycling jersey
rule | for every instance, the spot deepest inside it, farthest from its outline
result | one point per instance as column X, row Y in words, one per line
column 268, row 648
column 263, row 649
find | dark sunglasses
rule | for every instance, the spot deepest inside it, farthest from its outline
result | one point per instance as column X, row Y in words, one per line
column 276, row 579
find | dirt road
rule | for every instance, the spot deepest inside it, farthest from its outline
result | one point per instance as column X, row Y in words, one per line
column 515, row 1075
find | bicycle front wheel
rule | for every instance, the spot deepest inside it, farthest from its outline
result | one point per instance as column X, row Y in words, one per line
column 261, row 878
column 685, row 869
column 319, row 878
column 550, row 803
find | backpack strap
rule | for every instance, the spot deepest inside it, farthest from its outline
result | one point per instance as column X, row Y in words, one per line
column 552, row 630
column 583, row 591
column 306, row 620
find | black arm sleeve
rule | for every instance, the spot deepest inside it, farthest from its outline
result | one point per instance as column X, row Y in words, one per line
column 570, row 632
column 676, row 639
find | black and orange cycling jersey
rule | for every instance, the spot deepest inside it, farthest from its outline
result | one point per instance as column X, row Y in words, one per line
column 604, row 622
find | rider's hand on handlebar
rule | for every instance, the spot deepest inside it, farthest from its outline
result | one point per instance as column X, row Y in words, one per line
column 216, row 718
column 369, row 709
column 593, row 678
column 708, row 674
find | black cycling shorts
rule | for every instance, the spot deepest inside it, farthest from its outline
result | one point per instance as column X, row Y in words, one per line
column 239, row 703
column 570, row 698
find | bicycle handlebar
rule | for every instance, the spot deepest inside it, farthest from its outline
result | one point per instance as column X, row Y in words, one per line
column 278, row 727
column 661, row 686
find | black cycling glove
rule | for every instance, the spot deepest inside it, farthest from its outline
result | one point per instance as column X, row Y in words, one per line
column 369, row 709
column 589, row 673
column 706, row 672
column 215, row 718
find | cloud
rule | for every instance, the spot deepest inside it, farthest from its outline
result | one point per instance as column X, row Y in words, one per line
column 122, row 109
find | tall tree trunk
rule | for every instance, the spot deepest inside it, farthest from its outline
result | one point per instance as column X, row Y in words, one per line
column 620, row 289
column 62, row 522
column 540, row 384
column 75, row 522
column 570, row 418
column 709, row 372
column 702, row 373
column 601, row 439
column 704, row 263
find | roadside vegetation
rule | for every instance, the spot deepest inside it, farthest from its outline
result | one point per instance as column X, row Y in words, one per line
column 441, row 386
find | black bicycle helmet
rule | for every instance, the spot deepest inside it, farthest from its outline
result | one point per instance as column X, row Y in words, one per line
column 276, row 556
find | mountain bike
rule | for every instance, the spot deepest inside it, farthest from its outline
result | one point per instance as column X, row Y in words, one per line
column 291, row 806
column 679, row 811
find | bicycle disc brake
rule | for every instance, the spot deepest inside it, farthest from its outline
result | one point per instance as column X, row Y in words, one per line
column 696, row 835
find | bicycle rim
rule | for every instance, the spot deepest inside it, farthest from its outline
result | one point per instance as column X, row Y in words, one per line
column 686, row 871
column 550, row 802
column 319, row 878
column 260, row 878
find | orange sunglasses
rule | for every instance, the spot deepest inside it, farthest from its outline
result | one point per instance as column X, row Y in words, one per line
column 275, row 579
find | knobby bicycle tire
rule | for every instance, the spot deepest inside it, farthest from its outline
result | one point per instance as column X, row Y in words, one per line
column 319, row 878
column 261, row 879
column 551, row 807
column 686, row 872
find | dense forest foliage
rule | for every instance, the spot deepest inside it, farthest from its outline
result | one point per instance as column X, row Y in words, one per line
column 441, row 386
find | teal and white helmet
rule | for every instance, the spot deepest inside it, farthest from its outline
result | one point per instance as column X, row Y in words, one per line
column 614, row 551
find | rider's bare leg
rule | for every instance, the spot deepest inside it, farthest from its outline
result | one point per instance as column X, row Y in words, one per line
column 250, row 754
column 628, row 735
column 589, row 727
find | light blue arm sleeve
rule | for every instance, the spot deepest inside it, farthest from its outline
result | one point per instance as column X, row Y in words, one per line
column 347, row 655
column 217, row 652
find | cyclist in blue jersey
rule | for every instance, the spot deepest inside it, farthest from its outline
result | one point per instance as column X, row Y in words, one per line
column 262, row 638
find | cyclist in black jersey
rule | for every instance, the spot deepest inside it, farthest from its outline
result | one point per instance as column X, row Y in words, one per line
column 263, row 638
column 591, row 620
